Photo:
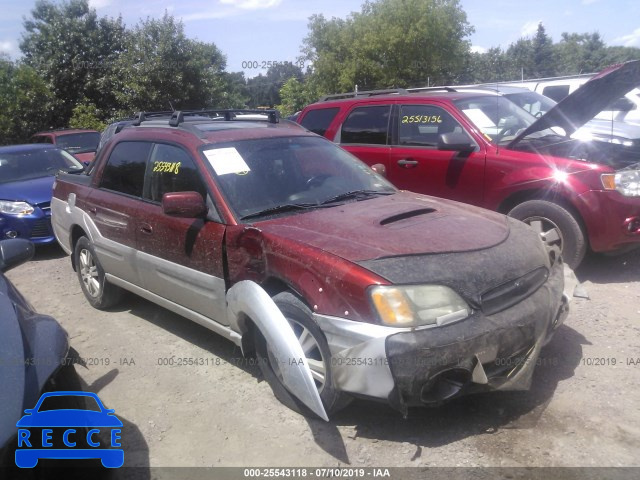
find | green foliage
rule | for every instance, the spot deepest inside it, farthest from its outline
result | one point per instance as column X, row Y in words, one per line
column 390, row 43
column 26, row 103
column 264, row 90
column 87, row 116
column 74, row 52
column 161, row 69
column 295, row 96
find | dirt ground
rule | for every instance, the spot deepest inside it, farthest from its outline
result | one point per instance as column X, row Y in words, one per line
column 582, row 410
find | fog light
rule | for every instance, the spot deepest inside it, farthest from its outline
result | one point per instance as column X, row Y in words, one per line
column 11, row 234
column 632, row 225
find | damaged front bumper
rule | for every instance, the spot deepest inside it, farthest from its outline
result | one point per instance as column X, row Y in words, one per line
column 427, row 366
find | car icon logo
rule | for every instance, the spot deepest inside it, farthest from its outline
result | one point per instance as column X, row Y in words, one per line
column 52, row 430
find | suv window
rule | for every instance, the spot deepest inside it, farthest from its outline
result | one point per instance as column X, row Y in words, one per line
column 319, row 120
column 556, row 92
column 124, row 171
column 171, row 169
column 421, row 125
column 366, row 125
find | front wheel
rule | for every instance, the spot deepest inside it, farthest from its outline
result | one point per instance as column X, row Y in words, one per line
column 557, row 227
column 317, row 356
column 100, row 293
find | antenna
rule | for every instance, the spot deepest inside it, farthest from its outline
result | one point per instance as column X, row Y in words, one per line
column 170, row 105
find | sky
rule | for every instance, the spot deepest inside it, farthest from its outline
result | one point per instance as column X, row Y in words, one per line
column 253, row 32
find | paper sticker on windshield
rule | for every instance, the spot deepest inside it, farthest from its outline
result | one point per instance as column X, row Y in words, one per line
column 227, row 160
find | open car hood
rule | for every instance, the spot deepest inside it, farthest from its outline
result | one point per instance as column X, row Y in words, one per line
column 586, row 102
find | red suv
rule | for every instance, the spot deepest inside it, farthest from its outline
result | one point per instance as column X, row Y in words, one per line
column 480, row 148
column 79, row 142
column 288, row 246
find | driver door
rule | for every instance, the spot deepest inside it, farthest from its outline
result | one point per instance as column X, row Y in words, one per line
column 416, row 163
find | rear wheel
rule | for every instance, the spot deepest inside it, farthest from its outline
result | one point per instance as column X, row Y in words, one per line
column 98, row 291
column 557, row 227
column 317, row 356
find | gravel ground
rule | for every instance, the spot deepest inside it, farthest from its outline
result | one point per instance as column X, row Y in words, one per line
column 582, row 410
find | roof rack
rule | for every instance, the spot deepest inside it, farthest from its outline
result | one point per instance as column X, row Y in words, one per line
column 431, row 89
column 142, row 116
column 364, row 93
column 177, row 117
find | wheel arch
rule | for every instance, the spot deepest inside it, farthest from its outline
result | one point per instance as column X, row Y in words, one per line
column 552, row 196
column 76, row 232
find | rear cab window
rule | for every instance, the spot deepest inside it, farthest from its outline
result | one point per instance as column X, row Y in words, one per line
column 125, row 168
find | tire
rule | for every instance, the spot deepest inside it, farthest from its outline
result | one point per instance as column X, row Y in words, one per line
column 98, row 291
column 557, row 226
column 318, row 356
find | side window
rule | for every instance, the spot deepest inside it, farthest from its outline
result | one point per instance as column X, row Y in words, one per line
column 366, row 125
column 556, row 92
column 124, row 171
column 171, row 169
column 41, row 139
column 319, row 120
column 421, row 125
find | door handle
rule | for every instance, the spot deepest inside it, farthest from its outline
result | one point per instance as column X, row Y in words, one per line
column 146, row 229
column 93, row 210
column 407, row 163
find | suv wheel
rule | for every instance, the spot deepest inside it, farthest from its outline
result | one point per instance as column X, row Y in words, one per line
column 557, row 228
column 316, row 352
column 100, row 293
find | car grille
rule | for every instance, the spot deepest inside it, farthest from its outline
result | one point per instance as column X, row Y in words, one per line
column 512, row 292
column 41, row 228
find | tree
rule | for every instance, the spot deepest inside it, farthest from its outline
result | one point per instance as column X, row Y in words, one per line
column 543, row 59
column 26, row 102
column 161, row 69
column 389, row 43
column 264, row 90
column 86, row 115
column 295, row 96
column 74, row 52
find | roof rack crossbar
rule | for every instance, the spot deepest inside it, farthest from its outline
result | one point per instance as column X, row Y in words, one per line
column 142, row 116
column 364, row 93
column 431, row 89
column 229, row 114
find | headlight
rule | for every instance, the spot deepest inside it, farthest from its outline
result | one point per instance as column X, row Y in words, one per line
column 15, row 208
column 418, row 305
column 627, row 182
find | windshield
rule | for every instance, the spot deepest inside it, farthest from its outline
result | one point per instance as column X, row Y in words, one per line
column 17, row 166
column 500, row 120
column 287, row 174
column 79, row 142
column 534, row 103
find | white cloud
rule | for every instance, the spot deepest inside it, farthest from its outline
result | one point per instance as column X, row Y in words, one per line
column 588, row 2
column 529, row 29
column 98, row 4
column 10, row 48
column 252, row 4
column 478, row 49
column 631, row 40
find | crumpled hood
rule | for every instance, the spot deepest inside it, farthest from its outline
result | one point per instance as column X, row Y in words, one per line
column 34, row 191
column 389, row 226
column 586, row 102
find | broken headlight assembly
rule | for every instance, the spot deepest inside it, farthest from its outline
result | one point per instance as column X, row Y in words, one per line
column 418, row 305
column 627, row 182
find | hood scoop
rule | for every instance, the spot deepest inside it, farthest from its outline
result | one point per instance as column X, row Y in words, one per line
column 406, row 215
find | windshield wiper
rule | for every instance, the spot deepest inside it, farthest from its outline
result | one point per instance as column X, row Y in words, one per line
column 287, row 207
column 357, row 194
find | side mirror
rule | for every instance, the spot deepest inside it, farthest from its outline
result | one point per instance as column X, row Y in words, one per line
column 14, row 252
column 183, row 204
column 456, row 141
column 380, row 169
